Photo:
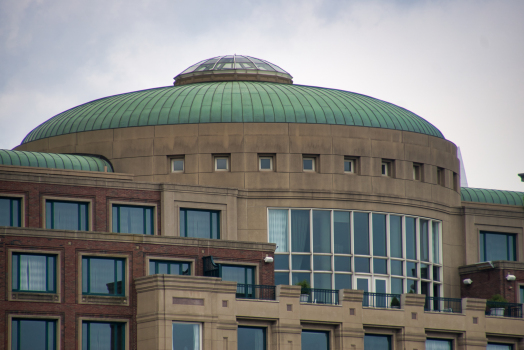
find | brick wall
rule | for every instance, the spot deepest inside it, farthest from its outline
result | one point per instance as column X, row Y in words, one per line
column 487, row 283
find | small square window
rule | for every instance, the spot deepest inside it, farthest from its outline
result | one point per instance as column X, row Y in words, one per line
column 349, row 165
column 265, row 163
column 386, row 168
column 177, row 165
column 308, row 163
column 417, row 172
column 221, row 163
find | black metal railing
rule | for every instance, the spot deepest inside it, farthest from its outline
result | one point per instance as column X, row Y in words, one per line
column 381, row 300
column 494, row 308
column 254, row 291
column 438, row 304
column 320, row 296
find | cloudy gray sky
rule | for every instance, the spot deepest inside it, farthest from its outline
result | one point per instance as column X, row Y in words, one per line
column 459, row 64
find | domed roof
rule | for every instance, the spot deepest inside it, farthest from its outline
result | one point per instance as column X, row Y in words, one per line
column 233, row 102
column 233, row 67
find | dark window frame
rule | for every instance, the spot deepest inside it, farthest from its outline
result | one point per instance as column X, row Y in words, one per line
column 170, row 262
column 18, row 290
column 115, row 219
column 482, row 244
column 115, row 345
column 88, row 271
column 50, row 211
column 46, row 340
column 12, row 214
column 183, row 219
column 264, row 329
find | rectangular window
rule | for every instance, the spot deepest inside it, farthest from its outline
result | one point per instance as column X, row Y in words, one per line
column 133, row 219
column 380, row 266
column 498, row 346
column 342, row 281
column 198, row 223
column 252, row 338
column 103, row 276
column 387, row 167
column 435, row 229
column 497, row 246
column 29, row 334
column 186, row 336
column 397, row 285
column 221, row 163
column 379, row 234
column 362, row 265
column 10, row 212
column 395, row 234
column 308, row 163
column 342, row 232
column 300, row 231
column 34, row 273
column 361, row 233
column 417, row 172
column 440, row 176
column 377, row 342
column 315, row 340
column 265, row 163
column 322, row 231
column 278, row 228
column 281, row 262
column 177, row 165
column 397, row 268
column 521, row 294
column 169, row 267
column 243, row 275
column 456, row 181
column 349, row 165
column 62, row 215
column 411, row 239
column 439, row 344
column 343, row 263
column 103, row 335
column 301, row 262
column 424, row 240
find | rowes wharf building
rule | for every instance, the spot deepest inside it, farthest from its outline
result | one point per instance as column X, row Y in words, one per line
column 237, row 210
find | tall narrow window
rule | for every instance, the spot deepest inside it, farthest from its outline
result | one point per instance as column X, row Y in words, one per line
column 322, row 231
column 133, row 219
column 342, row 232
column 34, row 273
column 424, row 240
column 379, row 235
column 361, row 233
column 169, row 267
column 497, row 246
column 198, row 223
column 411, row 239
column 103, row 335
column 103, row 276
column 62, row 215
column 278, row 228
column 395, row 234
column 300, row 231
column 315, row 340
column 349, row 165
column 29, row 334
column 243, row 275
column 186, row 336
column 10, row 212
column 435, row 233
column 252, row 338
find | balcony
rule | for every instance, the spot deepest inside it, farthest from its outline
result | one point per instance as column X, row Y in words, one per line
column 494, row 308
column 254, row 291
column 320, row 296
column 437, row 304
column 381, row 300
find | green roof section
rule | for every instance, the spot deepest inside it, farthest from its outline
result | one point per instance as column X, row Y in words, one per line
column 54, row 160
column 482, row 195
column 233, row 102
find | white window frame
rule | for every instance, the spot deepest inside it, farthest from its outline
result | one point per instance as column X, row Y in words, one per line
column 351, row 161
column 178, row 159
column 227, row 158
column 260, row 158
column 313, row 164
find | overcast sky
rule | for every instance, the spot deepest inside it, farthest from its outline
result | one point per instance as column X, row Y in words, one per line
column 458, row 64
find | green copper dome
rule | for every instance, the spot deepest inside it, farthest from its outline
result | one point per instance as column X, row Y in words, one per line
column 54, row 161
column 483, row 195
column 233, row 102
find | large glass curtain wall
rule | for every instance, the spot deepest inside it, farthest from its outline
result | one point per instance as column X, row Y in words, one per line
column 371, row 251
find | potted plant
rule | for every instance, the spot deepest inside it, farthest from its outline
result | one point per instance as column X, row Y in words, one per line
column 497, row 311
column 395, row 303
column 305, row 291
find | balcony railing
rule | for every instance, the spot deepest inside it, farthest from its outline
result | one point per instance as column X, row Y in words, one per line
column 438, row 304
column 381, row 300
column 320, row 296
column 494, row 308
column 254, row 291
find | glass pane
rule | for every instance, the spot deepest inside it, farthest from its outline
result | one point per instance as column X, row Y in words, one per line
column 424, row 271
column 299, row 277
column 16, row 272
column 495, row 346
column 281, row 278
column 300, row 231
column 411, row 240
column 215, row 225
column 315, row 340
column 362, row 265
column 424, row 288
column 178, row 165
column 438, row 344
column 377, row 342
column 162, row 268
column 397, row 286
column 198, row 223
column 379, row 235
column 436, row 290
column 342, row 281
column 48, row 215
column 14, row 334
column 51, row 274
column 361, row 233
column 31, row 334
column 16, row 214
column 234, row 273
column 424, row 240
column 396, row 268
column 380, row 286
column 51, row 334
column 265, row 163
column 343, row 263
column 436, row 242
column 152, row 267
column 33, row 271
column 186, row 336
column 498, row 246
column 301, row 262
column 119, row 276
column 115, row 219
column 436, row 273
column 322, row 262
column 308, row 164
column 322, row 280
column 363, row 284
column 149, row 221
column 186, row 269
column 321, row 231
column 85, row 275
column 281, row 262
column 102, row 276
column 84, row 225
column 278, row 228
column 221, row 163
column 251, row 338
column 412, row 286
column 101, row 336
column 380, row 266
column 411, row 269
column 65, row 216
column 395, row 235
column 341, row 232
column 5, row 212
column 131, row 220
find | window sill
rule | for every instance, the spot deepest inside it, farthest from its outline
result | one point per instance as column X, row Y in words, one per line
column 36, row 297
column 105, row 300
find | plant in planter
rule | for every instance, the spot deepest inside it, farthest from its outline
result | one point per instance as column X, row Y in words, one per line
column 395, row 303
column 497, row 311
column 305, row 290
